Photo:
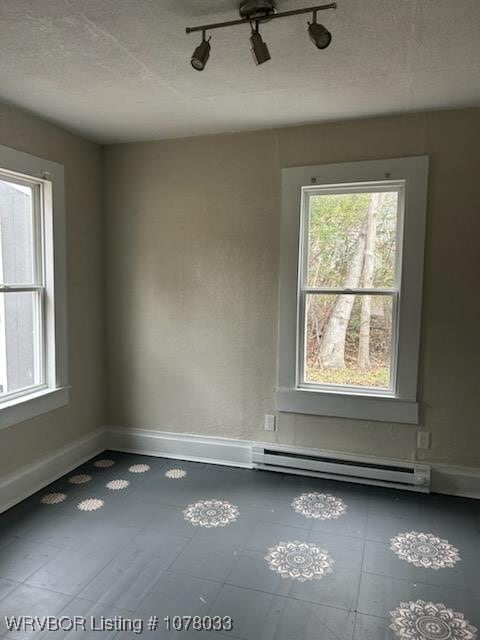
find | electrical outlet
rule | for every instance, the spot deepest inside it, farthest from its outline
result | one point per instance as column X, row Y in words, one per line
column 423, row 440
column 270, row 423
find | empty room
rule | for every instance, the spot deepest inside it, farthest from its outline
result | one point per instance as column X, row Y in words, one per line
column 239, row 319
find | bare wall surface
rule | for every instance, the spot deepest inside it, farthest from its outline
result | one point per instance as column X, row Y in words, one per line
column 192, row 277
column 29, row 441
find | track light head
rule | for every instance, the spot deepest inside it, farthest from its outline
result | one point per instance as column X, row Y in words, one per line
column 319, row 35
column 260, row 50
column 201, row 54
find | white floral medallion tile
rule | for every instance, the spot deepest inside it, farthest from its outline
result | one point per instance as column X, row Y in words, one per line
column 82, row 478
column 139, row 468
column 117, row 485
column 300, row 561
column 104, row 464
column 53, row 498
column 424, row 550
column 422, row 620
column 91, row 504
column 211, row 513
column 175, row 474
column 321, row 506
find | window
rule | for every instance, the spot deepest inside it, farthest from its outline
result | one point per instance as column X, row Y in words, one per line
column 32, row 287
column 350, row 289
column 349, row 286
column 22, row 361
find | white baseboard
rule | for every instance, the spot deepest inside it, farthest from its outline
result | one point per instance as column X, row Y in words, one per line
column 23, row 483
column 181, row 446
column 446, row 479
column 456, row 481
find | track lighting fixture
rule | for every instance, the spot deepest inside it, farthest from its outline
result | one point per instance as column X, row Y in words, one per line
column 201, row 54
column 260, row 50
column 254, row 12
column 320, row 36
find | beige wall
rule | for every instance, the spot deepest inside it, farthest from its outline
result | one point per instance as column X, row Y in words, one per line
column 192, row 276
column 29, row 441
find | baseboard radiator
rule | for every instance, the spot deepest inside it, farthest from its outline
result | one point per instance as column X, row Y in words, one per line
column 412, row 476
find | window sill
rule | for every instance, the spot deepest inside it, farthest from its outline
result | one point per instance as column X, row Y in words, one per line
column 30, row 406
column 320, row 403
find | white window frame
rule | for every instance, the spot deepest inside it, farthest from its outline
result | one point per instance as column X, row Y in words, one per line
column 398, row 404
column 53, row 391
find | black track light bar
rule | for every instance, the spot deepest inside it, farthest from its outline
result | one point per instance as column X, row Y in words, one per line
column 274, row 16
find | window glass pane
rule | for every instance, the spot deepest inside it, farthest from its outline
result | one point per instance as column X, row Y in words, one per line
column 16, row 234
column 352, row 240
column 19, row 339
column 348, row 340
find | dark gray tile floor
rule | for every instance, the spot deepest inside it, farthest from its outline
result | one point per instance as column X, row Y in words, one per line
column 138, row 555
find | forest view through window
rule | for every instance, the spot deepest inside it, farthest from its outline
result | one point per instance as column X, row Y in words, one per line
column 349, row 287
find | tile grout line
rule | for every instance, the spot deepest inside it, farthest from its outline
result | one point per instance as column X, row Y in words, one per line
column 361, row 567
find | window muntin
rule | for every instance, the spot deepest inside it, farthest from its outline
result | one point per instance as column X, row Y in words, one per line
column 349, row 287
column 22, row 286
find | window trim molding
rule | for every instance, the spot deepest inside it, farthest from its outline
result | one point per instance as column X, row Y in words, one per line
column 402, row 406
column 32, row 405
column 55, row 392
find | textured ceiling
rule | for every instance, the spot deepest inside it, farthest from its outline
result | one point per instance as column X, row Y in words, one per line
column 118, row 70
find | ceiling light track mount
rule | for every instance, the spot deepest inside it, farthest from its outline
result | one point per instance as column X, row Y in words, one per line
column 268, row 16
column 257, row 9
